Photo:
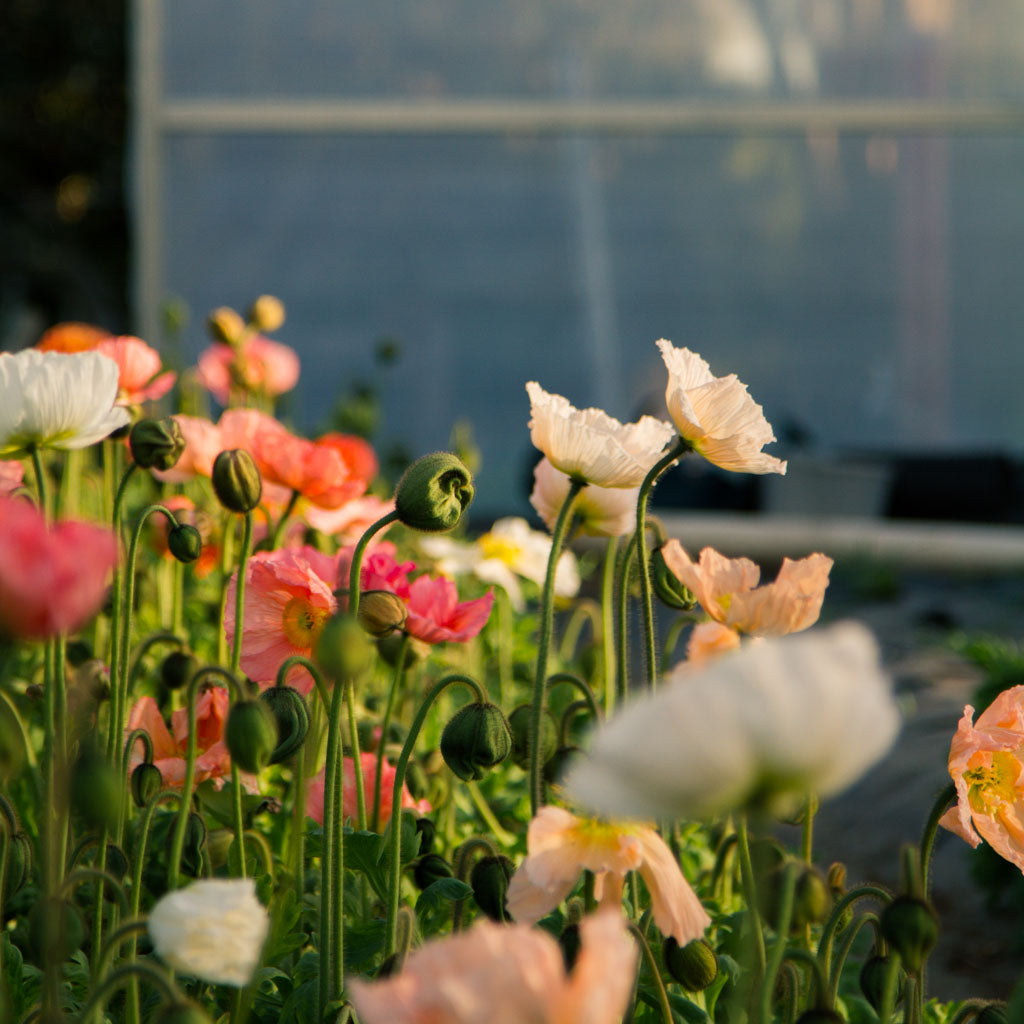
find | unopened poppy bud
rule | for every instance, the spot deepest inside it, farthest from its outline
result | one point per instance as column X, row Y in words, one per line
column 181, row 1012
column 477, row 738
column 872, row 979
column 184, row 542
column 343, row 649
column 811, row 899
column 146, row 782
column 426, row 830
column 94, row 790
column 177, row 669
column 434, row 492
column 911, row 927
column 19, row 863
column 237, row 481
column 60, row 936
column 489, row 880
column 156, row 444
column 519, row 724
column 571, row 944
column 288, row 707
column 556, row 765
column 992, row 1014
column 416, row 780
column 117, row 865
column 250, row 734
column 389, row 648
column 267, row 313
column 218, row 846
column 429, row 869
column 381, row 612
column 694, row 965
column 225, row 325
column 668, row 586
column 195, row 844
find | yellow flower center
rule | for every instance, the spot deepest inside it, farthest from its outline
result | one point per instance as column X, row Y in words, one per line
column 302, row 623
column 501, row 548
column 991, row 778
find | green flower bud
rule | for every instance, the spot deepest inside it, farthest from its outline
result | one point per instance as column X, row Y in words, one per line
column 79, row 652
column 556, row 765
column 13, row 749
column 911, row 927
column 146, row 781
column 477, row 738
column 571, row 945
column 94, row 790
column 429, row 869
column 177, row 669
column 291, row 714
column 694, row 965
column 343, row 650
column 219, row 844
column 117, row 865
column 58, row 938
column 416, row 780
column 250, row 734
column 415, row 650
column 184, row 542
column 181, row 1012
column 19, row 863
column 872, row 979
column 519, row 723
column 195, row 843
column 433, row 493
column 237, row 481
column 812, row 900
column 381, row 612
column 426, row 830
column 156, row 444
column 266, row 313
column 225, row 325
column 489, row 879
column 667, row 585
column 992, row 1014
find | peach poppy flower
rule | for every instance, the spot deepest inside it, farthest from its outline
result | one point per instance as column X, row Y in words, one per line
column 289, row 595
column 727, row 590
column 560, row 846
column 71, row 336
column 12, row 475
column 52, row 579
column 257, row 365
column 359, row 456
column 508, row 974
column 436, row 614
column 716, row 414
column 317, row 471
column 350, row 802
column 709, row 639
column 139, row 366
column 591, row 445
column 986, row 762
column 600, row 511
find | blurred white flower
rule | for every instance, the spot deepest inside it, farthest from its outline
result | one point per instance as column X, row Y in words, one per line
column 56, row 400
column 591, row 445
column 716, row 414
column 213, row 929
column 600, row 511
column 508, row 550
column 809, row 712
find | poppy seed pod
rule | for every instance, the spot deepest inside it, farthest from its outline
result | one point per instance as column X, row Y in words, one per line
column 184, row 542
column 225, row 325
column 381, row 612
column 434, row 492
column 156, row 444
column 694, row 965
column 668, row 586
column 477, row 738
column 267, row 313
column 237, row 481
column 489, row 879
column 146, row 782
column 292, row 717
column 343, row 649
column 911, row 927
column 519, row 724
column 251, row 734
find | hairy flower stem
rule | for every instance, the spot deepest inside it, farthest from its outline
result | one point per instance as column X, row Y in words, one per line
column 275, row 537
column 828, row 931
column 355, row 569
column 396, row 685
column 664, row 1006
column 357, row 761
column 942, row 802
column 622, row 624
column 607, row 623
column 243, row 561
column 750, row 895
column 332, row 865
column 781, row 941
column 546, row 623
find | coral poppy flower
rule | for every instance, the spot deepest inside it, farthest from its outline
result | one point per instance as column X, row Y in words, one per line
column 727, row 590
column 436, row 615
column 350, row 521
column 358, row 454
column 986, row 762
column 317, row 471
column 560, row 846
column 257, row 365
column 599, row 511
column 350, row 800
column 289, row 595
column 716, row 414
column 590, row 445
column 52, row 580
column 12, row 475
column 139, row 367
column 508, row 974
column 71, row 336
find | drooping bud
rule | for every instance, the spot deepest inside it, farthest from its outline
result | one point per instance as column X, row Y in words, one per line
column 181, row 1012
column 94, row 789
column 571, row 944
column 872, row 979
column 19, row 863
column 117, row 865
column 146, row 782
column 291, row 714
column 184, row 542
column 519, row 723
column 811, row 899
column 911, row 927
column 489, row 880
column 177, row 669
column 156, row 444
column 556, row 765
column 434, row 492
column 477, row 738
column 195, row 843
column 668, row 586
column 225, row 325
column 426, row 830
column 694, row 965
column 237, row 481
column 267, row 313
column 429, row 869
column 381, row 612
column 250, row 734
column 389, row 648
column 60, row 936
column 343, row 649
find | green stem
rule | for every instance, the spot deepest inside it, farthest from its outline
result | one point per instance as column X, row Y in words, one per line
column 331, row 938
column 848, row 939
column 671, row 639
column 41, row 488
column 484, row 810
column 781, row 941
column 589, row 698
column 357, row 760
column 357, row 559
column 396, row 684
column 585, row 611
column 141, row 969
column 622, row 626
column 275, row 537
column 652, row 965
column 750, row 894
column 236, row 816
column 942, row 802
column 828, row 931
column 243, row 560
column 607, row 623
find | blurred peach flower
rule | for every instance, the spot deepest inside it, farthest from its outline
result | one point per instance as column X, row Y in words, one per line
column 315, row 791
column 349, row 521
column 203, row 444
column 257, row 366
column 716, row 414
column 437, row 616
column 71, row 336
column 560, row 846
column 508, row 974
column 709, row 639
column 590, row 445
column 139, row 366
column 600, row 511
column 52, row 579
column 317, row 471
column 986, row 762
column 12, row 475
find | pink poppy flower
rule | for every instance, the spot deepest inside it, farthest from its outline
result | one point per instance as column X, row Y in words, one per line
column 52, row 580
column 727, row 590
column 435, row 614
column 259, row 365
column 139, row 366
column 380, row 569
column 986, row 762
column 600, row 511
column 12, row 474
column 71, row 336
column 350, row 801
column 359, row 456
column 289, row 595
column 508, row 974
column 203, row 443
column 560, row 846
column 171, row 745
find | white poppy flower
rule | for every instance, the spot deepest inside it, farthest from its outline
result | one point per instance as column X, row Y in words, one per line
column 57, row 400
column 600, row 511
column 213, row 929
column 591, row 445
column 716, row 414
column 809, row 712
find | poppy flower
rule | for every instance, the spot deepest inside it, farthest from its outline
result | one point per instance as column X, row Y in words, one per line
column 139, row 366
column 599, row 511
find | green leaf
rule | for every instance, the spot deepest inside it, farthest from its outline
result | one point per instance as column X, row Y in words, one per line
column 301, row 1006
column 285, row 936
column 444, row 889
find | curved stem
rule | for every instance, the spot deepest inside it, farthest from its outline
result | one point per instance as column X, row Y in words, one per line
column 142, row 969
column 889, row 989
column 942, row 802
column 396, row 684
column 672, row 638
column 84, row 874
column 355, row 568
column 750, row 893
column 607, row 623
column 652, row 964
column 163, row 636
column 275, row 537
column 781, row 941
column 828, row 931
column 557, row 678
column 585, row 611
column 622, row 629
column 849, row 937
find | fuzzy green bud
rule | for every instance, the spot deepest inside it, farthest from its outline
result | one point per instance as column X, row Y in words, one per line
column 571, row 944
column 184, row 542
column 225, row 325
column 291, row 714
column 181, row 1012
column 911, row 927
column 694, row 965
column 237, row 481
column 812, row 900
column 489, row 879
column 668, row 586
column 267, row 313
column 156, row 444
column 429, row 869
column 117, row 865
column 94, row 790
column 426, row 830
column 381, row 612
column 19, row 862
column 992, row 1014
column 434, row 492
column 343, row 649
column 177, row 669
column 195, row 844
column 250, row 734
column 476, row 739
column 556, row 765
column 519, row 723
column 872, row 979
column 389, row 648
column 146, row 781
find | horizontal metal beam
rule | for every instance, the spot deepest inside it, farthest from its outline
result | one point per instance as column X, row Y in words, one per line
column 616, row 117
